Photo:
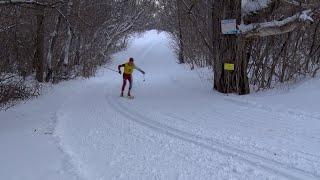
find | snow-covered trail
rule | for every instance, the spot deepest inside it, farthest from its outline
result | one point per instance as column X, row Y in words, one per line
column 175, row 128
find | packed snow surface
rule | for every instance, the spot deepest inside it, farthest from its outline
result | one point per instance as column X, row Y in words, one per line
column 177, row 127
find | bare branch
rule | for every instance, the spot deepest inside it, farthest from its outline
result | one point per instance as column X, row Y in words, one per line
column 275, row 27
column 19, row 2
column 30, row 2
column 301, row 4
column 3, row 29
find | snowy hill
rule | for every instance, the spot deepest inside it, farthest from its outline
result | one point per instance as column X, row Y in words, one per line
column 175, row 128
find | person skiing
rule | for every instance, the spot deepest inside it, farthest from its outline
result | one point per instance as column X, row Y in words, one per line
column 127, row 75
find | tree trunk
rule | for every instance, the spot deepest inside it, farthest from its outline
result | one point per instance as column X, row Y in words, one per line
column 78, row 49
column 39, row 54
column 52, row 42
column 229, row 49
column 181, row 53
column 67, row 46
column 61, row 70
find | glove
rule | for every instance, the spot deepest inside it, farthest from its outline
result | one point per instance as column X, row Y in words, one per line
column 120, row 72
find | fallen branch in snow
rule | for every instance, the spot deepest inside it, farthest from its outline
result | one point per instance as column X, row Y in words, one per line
column 275, row 27
column 315, row 72
column 13, row 88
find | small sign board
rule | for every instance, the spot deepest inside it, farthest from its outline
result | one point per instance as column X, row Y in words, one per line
column 228, row 67
column 229, row 26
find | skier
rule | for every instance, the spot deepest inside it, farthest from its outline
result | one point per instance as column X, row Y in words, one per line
column 127, row 75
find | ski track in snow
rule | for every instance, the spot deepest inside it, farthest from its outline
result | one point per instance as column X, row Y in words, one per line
column 290, row 112
column 155, row 125
column 176, row 127
column 255, row 160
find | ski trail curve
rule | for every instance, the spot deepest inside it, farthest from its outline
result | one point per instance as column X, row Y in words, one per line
column 267, row 108
column 252, row 159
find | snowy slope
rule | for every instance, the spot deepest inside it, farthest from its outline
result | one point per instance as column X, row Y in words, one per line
column 175, row 128
column 27, row 148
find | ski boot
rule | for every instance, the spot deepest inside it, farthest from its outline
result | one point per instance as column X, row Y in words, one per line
column 129, row 95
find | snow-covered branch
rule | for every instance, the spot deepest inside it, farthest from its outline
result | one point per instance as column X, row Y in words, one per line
column 293, row 2
column 3, row 29
column 253, row 6
column 30, row 2
column 300, row 4
column 250, row 6
column 275, row 27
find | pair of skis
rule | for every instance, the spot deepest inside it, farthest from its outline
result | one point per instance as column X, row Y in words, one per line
column 127, row 97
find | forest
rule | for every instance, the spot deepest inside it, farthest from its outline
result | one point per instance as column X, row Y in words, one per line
column 54, row 40
column 277, row 40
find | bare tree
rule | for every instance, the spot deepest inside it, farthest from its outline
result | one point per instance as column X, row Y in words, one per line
column 274, row 42
column 53, row 40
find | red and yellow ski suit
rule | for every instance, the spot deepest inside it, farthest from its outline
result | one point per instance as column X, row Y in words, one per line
column 129, row 67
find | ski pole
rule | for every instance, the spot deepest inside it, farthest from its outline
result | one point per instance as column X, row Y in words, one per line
column 144, row 79
column 112, row 70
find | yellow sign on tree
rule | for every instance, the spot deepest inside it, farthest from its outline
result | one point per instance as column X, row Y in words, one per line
column 228, row 66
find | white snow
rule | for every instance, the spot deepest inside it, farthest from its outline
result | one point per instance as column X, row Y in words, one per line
column 249, row 6
column 305, row 16
column 175, row 128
